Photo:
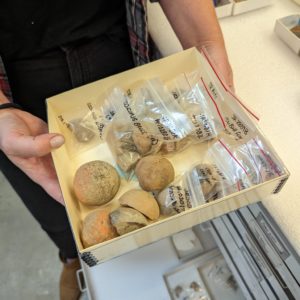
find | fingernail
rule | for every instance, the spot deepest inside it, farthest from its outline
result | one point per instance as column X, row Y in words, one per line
column 57, row 141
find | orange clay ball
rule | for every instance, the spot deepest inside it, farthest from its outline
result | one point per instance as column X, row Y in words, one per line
column 97, row 228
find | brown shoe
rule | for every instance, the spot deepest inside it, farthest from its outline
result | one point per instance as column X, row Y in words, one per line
column 68, row 285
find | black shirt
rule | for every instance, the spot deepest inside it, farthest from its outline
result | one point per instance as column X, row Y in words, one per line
column 31, row 27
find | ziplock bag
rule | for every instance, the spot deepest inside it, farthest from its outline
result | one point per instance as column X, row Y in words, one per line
column 147, row 122
column 83, row 126
column 196, row 103
column 236, row 123
column 155, row 105
column 236, row 172
column 175, row 198
column 262, row 165
column 197, row 186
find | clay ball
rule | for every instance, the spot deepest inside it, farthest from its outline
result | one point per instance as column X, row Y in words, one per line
column 97, row 228
column 154, row 173
column 96, row 183
column 142, row 201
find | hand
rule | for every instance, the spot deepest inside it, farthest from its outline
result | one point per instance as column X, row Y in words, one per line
column 25, row 140
column 195, row 24
column 217, row 54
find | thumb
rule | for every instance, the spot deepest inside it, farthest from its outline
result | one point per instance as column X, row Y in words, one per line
column 33, row 146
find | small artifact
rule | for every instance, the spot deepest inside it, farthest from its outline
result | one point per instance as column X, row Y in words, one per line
column 174, row 200
column 142, row 142
column 195, row 286
column 127, row 160
column 178, row 145
column 208, row 178
column 81, row 133
column 296, row 30
column 97, row 228
column 142, row 201
column 96, row 183
column 154, row 173
column 119, row 138
column 126, row 219
column 178, row 290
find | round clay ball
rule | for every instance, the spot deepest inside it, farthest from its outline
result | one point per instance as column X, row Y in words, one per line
column 154, row 173
column 96, row 183
column 97, row 228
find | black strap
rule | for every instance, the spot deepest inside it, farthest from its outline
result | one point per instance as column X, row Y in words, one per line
column 10, row 105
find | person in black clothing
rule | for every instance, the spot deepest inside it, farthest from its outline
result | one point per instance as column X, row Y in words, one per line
column 52, row 46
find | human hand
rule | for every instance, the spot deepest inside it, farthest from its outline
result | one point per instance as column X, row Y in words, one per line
column 25, row 140
column 217, row 54
column 196, row 25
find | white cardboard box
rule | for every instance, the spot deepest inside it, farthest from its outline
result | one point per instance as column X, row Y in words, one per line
column 224, row 9
column 66, row 166
column 248, row 5
column 283, row 30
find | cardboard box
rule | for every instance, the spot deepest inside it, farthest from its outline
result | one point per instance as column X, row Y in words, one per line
column 242, row 260
column 280, row 243
column 66, row 163
column 283, row 28
column 258, row 256
column 235, row 269
column 210, row 275
column 242, row 6
column 224, row 9
column 256, row 265
column 274, row 258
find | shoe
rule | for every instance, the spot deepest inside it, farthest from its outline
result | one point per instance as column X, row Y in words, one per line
column 68, row 286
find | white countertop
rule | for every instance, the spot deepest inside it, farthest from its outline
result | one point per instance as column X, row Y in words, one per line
column 267, row 78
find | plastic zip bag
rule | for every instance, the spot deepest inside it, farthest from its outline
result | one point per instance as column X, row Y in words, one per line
column 191, row 95
column 228, row 168
column 147, row 122
column 262, row 165
column 235, row 172
column 83, row 126
column 197, row 186
column 217, row 81
column 155, row 105
column 119, row 135
column 175, row 198
column 236, row 122
column 205, row 180
column 219, row 273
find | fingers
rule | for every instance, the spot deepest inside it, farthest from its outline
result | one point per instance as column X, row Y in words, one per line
column 217, row 56
column 31, row 146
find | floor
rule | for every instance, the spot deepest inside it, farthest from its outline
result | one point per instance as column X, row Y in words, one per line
column 29, row 263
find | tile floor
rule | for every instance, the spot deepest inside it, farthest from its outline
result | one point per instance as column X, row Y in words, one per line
column 29, row 264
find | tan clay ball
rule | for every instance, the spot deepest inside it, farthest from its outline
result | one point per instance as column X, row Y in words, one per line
column 97, row 228
column 96, row 183
column 154, row 173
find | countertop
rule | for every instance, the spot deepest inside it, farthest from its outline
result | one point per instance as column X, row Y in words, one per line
column 267, row 79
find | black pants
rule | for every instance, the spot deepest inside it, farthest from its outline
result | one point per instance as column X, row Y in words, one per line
column 32, row 81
